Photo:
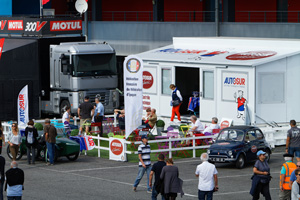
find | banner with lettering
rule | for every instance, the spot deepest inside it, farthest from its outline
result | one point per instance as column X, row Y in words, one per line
column 89, row 143
column 1, row 46
column 117, row 149
column 133, row 93
column 23, row 106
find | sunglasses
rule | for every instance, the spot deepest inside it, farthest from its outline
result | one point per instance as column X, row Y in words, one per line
column 13, row 125
column 298, row 165
column 297, row 174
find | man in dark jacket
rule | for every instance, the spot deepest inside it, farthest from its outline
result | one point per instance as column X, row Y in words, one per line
column 31, row 135
column 2, row 179
column 14, row 182
column 156, row 169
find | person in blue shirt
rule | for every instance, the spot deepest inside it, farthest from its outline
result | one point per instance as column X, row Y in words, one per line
column 293, row 175
column 99, row 114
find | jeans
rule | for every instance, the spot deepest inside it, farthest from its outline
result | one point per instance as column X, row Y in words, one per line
column 140, row 175
column 51, row 151
column 31, row 156
column 294, row 151
column 1, row 190
column 14, row 197
column 154, row 194
column 264, row 189
column 202, row 194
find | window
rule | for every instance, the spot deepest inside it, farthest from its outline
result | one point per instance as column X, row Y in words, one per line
column 271, row 88
column 250, row 136
column 208, row 85
column 166, row 81
column 259, row 134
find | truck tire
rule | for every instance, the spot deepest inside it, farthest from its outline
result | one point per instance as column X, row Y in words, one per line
column 63, row 105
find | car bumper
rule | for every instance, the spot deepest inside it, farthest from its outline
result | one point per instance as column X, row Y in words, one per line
column 221, row 159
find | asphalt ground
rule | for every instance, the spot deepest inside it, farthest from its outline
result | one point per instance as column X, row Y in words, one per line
column 99, row 178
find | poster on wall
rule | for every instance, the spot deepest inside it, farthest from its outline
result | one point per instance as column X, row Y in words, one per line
column 133, row 93
column 235, row 89
column 117, row 149
column 149, row 80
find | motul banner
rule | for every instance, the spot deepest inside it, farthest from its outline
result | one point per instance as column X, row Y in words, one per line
column 23, row 107
column 1, row 46
column 40, row 26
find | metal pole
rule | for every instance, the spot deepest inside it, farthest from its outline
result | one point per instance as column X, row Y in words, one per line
column 86, row 25
column 194, row 145
column 41, row 8
column 170, row 147
column 217, row 17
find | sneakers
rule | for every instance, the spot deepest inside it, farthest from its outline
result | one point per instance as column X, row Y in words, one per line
column 149, row 191
column 134, row 189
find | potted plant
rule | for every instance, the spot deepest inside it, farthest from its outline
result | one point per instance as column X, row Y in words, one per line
column 160, row 124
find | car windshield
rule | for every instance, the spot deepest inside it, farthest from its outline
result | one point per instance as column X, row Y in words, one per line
column 231, row 135
column 94, row 65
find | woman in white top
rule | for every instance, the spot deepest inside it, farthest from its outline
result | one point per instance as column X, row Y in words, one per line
column 296, row 185
column 197, row 126
column 14, row 140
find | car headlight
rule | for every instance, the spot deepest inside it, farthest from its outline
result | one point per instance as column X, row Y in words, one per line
column 208, row 151
column 230, row 153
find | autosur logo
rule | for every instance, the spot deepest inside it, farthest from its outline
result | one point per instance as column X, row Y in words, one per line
column 251, row 55
column 224, row 124
column 22, row 107
column 147, row 80
column 116, row 147
column 133, row 65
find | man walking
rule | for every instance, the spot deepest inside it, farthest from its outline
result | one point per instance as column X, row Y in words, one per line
column 293, row 140
column 144, row 163
column 2, row 178
column 287, row 168
column 50, row 136
column 85, row 113
column 156, row 169
column 14, row 182
column 208, row 179
column 99, row 114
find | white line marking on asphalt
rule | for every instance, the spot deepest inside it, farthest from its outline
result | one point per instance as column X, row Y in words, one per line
column 225, row 193
column 91, row 169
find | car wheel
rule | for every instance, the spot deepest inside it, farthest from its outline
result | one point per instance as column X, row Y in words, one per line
column 73, row 157
column 240, row 162
column 19, row 155
column 268, row 155
column 41, row 154
column 62, row 107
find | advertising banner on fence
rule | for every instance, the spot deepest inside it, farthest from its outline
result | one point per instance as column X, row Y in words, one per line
column 23, row 106
column 89, row 143
column 117, row 149
column 133, row 93
column 1, row 46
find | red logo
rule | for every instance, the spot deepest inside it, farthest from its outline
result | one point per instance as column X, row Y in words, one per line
column 147, row 80
column 116, row 147
column 2, row 24
column 224, row 124
column 1, row 46
column 15, row 25
column 70, row 25
column 254, row 149
column 251, row 55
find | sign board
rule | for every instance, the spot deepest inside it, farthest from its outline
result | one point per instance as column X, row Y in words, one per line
column 133, row 93
column 23, row 107
column 40, row 26
column 225, row 123
column 150, row 80
column 234, row 85
column 117, row 149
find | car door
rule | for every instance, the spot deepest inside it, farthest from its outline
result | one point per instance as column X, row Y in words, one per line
column 260, row 140
column 251, row 145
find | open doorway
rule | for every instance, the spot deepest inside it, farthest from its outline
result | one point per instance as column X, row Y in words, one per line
column 187, row 81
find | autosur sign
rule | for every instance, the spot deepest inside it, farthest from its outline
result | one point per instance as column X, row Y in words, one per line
column 116, row 147
column 147, row 80
column 40, row 26
column 251, row 55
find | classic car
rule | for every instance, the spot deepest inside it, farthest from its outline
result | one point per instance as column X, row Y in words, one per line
column 238, row 144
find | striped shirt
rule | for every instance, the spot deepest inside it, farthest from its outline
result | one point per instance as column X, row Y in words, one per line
column 145, row 151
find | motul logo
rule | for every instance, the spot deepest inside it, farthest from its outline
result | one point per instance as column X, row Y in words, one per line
column 15, row 25
column 66, row 25
column 2, row 24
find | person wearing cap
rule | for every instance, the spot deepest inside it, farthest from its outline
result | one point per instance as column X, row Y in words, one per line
column 144, row 151
column 85, row 113
column 287, row 168
column 293, row 140
column 293, row 175
column 261, row 177
column 50, row 136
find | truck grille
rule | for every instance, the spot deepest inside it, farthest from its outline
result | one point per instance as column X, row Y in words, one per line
column 104, row 97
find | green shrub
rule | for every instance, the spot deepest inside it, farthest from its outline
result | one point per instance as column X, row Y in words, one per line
column 74, row 132
column 160, row 123
column 38, row 126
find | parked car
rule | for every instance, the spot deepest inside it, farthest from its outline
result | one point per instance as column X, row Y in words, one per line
column 238, row 144
column 63, row 147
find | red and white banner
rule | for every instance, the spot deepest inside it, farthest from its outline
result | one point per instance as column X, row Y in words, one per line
column 1, row 46
column 89, row 143
column 117, row 149
column 23, row 106
column 69, row 25
column 45, row 1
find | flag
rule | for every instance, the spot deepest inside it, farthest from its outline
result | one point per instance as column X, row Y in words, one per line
column 23, row 106
column 89, row 143
column 1, row 46
column 45, row 1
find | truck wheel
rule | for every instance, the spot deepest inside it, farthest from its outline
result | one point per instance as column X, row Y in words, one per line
column 19, row 155
column 62, row 107
column 240, row 162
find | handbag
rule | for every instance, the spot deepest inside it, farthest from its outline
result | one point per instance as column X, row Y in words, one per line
column 175, row 103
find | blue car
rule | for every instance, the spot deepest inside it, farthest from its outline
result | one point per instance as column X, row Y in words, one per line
column 238, row 144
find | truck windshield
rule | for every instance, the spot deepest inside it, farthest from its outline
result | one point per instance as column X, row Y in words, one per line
column 231, row 135
column 94, row 65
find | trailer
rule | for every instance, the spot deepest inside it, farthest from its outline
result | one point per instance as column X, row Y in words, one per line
column 248, row 80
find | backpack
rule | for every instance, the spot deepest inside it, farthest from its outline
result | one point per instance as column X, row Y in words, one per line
column 30, row 138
